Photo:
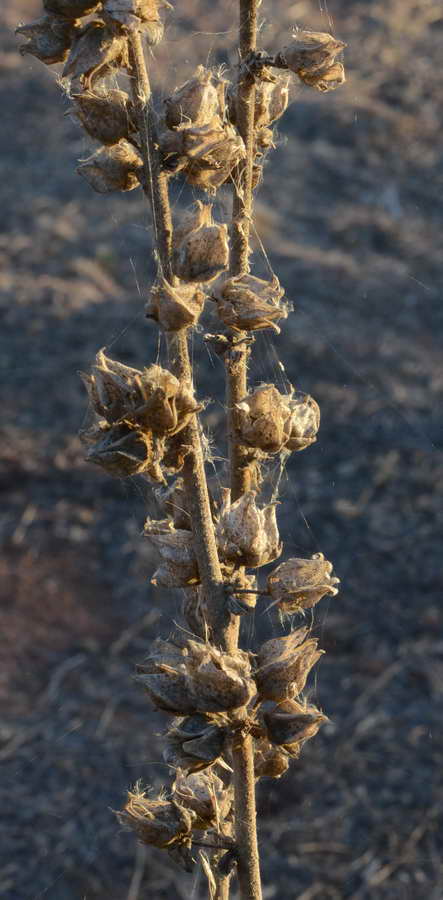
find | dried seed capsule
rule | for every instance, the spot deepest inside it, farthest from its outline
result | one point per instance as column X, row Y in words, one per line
column 326, row 79
column 269, row 761
column 131, row 13
column 178, row 562
column 284, row 675
column 158, row 822
column 247, row 303
column 246, row 534
column 105, row 116
column 271, row 98
column 118, row 168
column 48, row 39
column 311, row 55
column 70, row 9
column 290, row 724
column 300, row 583
column 197, row 101
column 217, row 686
column 271, row 421
column 201, row 251
column 206, row 155
column 168, row 691
column 174, row 306
column 303, row 421
column 95, row 52
column 124, row 451
column 205, row 795
column 194, row 743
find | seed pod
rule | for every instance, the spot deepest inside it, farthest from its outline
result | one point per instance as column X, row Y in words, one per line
column 218, row 681
column 105, row 116
column 300, row 583
column 246, row 534
column 311, row 55
column 326, row 79
column 206, row 155
column 70, row 9
column 201, row 251
column 178, row 562
column 158, row 822
column 48, row 39
column 271, row 98
column 205, row 795
column 131, row 13
column 269, row 761
column 271, row 421
column 176, row 451
column 117, row 168
column 194, row 743
column 247, row 303
column 285, row 675
column 303, row 421
column 96, row 51
column 290, row 724
column 174, row 306
column 168, row 691
column 124, row 451
column 197, row 101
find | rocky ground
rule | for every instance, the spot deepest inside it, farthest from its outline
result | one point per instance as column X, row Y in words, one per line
column 351, row 218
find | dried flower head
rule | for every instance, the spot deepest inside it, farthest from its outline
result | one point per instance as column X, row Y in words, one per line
column 178, row 566
column 247, row 303
column 116, row 168
column 290, row 724
column 300, row 583
column 271, row 421
column 158, row 822
column 105, row 115
column 48, row 39
column 175, row 306
column 197, row 101
column 201, row 251
column 247, row 534
column 205, row 795
column 194, row 743
column 311, row 56
column 284, row 664
column 95, row 52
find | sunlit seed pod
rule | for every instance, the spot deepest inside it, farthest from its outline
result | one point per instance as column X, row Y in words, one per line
column 247, row 534
column 178, row 566
column 219, row 688
column 130, row 13
column 162, row 823
column 70, row 9
column 115, row 168
column 174, row 306
column 194, row 744
column 285, row 676
column 201, row 251
column 197, row 101
column 310, row 51
column 106, row 116
column 262, row 418
column 123, row 451
column 95, row 52
column 168, row 692
column 327, row 79
column 248, row 303
column 48, row 39
column 271, row 100
column 269, row 761
column 205, row 795
column 298, row 584
column 290, row 724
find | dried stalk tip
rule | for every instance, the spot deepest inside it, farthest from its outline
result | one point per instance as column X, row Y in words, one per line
column 197, row 101
column 205, row 795
column 48, row 39
column 106, row 116
column 246, row 534
column 201, row 251
column 271, row 421
column 175, row 306
column 284, row 665
column 158, row 822
column 312, row 56
column 290, row 724
column 194, row 743
column 247, row 303
column 300, row 583
column 118, row 168
column 95, row 52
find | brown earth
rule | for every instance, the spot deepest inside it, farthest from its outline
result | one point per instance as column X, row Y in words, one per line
column 351, row 217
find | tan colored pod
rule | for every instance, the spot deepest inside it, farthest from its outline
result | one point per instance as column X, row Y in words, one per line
column 160, row 822
column 116, row 168
column 311, row 56
column 269, row 761
column 262, row 419
column 205, row 795
column 194, row 743
column 48, row 39
column 285, row 676
column 106, row 116
column 247, row 534
column 201, row 251
column 248, row 303
column 290, row 724
column 303, row 421
column 175, row 306
column 175, row 547
column 300, row 583
column 124, row 451
column 95, row 52
column 131, row 13
column 327, row 79
column 197, row 101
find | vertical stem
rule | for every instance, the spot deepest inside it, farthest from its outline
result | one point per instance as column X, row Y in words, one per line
column 245, row 819
column 223, row 624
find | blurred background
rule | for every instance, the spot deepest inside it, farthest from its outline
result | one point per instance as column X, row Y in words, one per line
column 350, row 214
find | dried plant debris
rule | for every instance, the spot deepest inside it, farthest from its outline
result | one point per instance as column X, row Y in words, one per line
column 205, row 794
column 299, row 584
column 205, row 155
column 96, row 51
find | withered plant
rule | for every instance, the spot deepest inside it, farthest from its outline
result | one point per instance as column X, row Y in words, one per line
column 237, row 716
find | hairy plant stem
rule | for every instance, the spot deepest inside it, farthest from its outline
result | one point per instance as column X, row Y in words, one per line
column 222, row 624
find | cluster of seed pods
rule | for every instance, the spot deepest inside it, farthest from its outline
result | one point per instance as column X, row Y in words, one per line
column 141, row 416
